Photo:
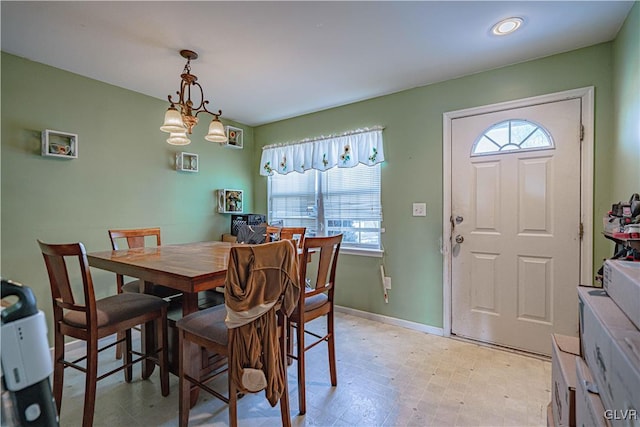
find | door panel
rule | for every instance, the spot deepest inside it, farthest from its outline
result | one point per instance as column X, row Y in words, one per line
column 487, row 196
column 534, row 289
column 515, row 273
column 534, row 196
column 483, row 281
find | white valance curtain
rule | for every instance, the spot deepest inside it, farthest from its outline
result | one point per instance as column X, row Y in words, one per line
column 345, row 151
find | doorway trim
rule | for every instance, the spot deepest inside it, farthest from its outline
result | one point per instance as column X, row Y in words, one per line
column 586, row 182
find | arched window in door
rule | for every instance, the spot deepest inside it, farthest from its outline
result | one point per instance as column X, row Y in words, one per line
column 512, row 135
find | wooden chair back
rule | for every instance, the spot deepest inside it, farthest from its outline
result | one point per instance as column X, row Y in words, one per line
column 326, row 250
column 271, row 232
column 293, row 233
column 287, row 233
column 61, row 289
column 135, row 238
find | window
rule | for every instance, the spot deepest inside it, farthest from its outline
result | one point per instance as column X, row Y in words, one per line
column 328, row 184
column 338, row 200
column 512, row 135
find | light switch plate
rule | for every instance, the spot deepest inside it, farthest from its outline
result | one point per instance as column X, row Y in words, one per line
column 419, row 209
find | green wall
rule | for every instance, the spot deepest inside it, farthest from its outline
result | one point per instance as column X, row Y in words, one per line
column 413, row 169
column 124, row 176
column 625, row 153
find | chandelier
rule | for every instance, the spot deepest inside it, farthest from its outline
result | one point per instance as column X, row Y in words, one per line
column 180, row 123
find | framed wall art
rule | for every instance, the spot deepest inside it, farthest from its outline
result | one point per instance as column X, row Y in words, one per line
column 235, row 136
column 187, row 162
column 229, row 201
column 59, row 144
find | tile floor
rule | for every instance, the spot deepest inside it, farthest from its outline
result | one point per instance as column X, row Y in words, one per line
column 387, row 376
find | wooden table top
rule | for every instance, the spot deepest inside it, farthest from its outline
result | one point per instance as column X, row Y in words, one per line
column 190, row 267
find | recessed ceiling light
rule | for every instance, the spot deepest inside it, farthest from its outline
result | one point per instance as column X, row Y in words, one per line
column 506, row 26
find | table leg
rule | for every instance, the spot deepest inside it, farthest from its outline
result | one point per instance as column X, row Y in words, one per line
column 190, row 305
column 148, row 336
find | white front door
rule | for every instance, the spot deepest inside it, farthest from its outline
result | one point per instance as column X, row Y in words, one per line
column 515, row 204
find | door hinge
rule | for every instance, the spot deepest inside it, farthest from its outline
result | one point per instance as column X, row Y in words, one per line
column 581, row 133
column 581, row 231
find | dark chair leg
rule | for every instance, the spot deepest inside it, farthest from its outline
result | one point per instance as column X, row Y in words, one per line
column 58, row 369
column 119, row 336
column 233, row 403
column 128, row 372
column 184, row 398
column 302, row 401
column 284, row 399
column 289, row 341
column 90, row 383
column 332, row 349
column 161, row 325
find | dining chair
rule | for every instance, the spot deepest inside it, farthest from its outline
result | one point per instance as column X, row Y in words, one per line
column 286, row 233
column 249, row 330
column 316, row 300
column 137, row 238
column 272, row 233
column 94, row 319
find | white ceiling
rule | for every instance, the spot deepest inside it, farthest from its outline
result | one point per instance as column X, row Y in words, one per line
column 265, row 61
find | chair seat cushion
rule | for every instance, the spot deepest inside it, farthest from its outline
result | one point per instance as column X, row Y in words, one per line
column 157, row 290
column 208, row 324
column 117, row 308
column 312, row 303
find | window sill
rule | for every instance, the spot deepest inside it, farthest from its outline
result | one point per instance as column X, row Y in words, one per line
column 375, row 253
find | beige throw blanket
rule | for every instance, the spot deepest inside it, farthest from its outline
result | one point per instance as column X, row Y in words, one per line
column 259, row 277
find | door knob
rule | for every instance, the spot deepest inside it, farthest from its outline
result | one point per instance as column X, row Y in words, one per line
column 459, row 239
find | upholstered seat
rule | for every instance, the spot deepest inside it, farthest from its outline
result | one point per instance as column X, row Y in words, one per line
column 116, row 309
column 207, row 324
column 312, row 303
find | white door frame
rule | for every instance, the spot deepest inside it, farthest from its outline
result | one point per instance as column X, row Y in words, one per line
column 586, row 182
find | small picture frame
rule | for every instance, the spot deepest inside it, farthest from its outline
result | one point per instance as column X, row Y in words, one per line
column 230, row 201
column 235, row 136
column 187, row 162
column 59, row 144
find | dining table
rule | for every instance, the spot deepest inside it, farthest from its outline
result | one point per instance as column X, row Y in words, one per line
column 188, row 268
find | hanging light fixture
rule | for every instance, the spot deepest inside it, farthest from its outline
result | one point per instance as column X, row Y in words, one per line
column 180, row 123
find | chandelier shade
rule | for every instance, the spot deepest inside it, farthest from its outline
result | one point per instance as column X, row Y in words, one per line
column 178, row 139
column 173, row 122
column 179, row 123
column 216, row 132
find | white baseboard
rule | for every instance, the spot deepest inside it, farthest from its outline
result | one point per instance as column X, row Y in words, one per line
column 391, row 321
